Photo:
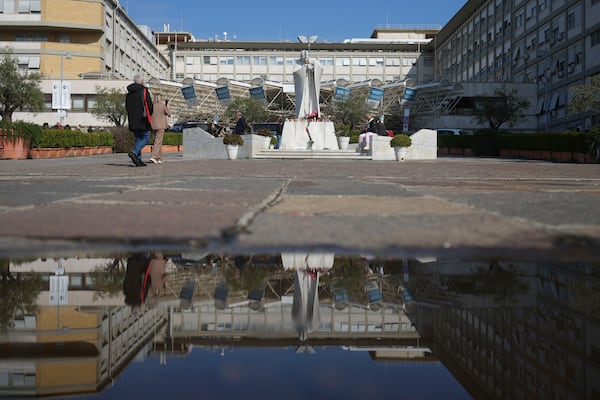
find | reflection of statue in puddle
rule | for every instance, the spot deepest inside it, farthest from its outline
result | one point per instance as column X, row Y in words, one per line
column 307, row 85
column 305, row 306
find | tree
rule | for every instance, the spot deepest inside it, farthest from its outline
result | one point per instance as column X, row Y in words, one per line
column 586, row 97
column 350, row 112
column 17, row 89
column 251, row 109
column 110, row 106
column 503, row 107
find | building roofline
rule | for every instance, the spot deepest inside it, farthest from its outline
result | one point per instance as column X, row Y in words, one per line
column 457, row 21
column 224, row 45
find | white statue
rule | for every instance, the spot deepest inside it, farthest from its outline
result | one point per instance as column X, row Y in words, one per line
column 307, row 85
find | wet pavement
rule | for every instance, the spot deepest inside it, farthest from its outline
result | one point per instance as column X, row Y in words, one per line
column 449, row 206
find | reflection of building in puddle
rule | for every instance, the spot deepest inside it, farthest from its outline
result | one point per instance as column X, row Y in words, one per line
column 296, row 310
column 71, row 348
column 512, row 330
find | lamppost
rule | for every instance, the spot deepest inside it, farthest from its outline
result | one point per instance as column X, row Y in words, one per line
column 65, row 92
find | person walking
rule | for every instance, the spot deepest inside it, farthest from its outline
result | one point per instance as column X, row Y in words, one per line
column 241, row 125
column 138, row 103
column 159, row 125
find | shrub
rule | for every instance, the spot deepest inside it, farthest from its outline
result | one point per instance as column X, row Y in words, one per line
column 58, row 138
column 173, row 139
column 401, row 140
column 232, row 138
column 263, row 132
column 343, row 130
column 26, row 130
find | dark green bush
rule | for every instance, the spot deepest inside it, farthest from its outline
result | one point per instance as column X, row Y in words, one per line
column 64, row 138
column 456, row 141
column 173, row 139
column 22, row 129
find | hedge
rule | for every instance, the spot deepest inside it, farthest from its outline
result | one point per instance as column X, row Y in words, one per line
column 486, row 143
column 64, row 138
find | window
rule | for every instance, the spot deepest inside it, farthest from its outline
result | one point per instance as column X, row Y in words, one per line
column 259, row 60
column 376, row 61
column 276, row 60
column 571, row 21
column 34, row 62
column 31, row 37
column 359, row 61
column 243, row 60
column 342, row 61
column 595, row 38
column 392, row 61
column 191, row 60
column 326, row 61
column 7, row 6
column 64, row 38
column 210, row 60
column 91, row 102
column 78, row 102
column 408, row 61
column 226, row 60
column 519, row 20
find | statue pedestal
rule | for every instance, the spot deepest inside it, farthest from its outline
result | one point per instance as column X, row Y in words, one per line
column 295, row 137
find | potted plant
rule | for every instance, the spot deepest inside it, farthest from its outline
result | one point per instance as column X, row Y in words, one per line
column 232, row 143
column 400, row 143
column 343, row 134
column 16, row 139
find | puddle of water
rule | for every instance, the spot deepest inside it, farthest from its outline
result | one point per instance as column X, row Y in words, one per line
column 306, row 324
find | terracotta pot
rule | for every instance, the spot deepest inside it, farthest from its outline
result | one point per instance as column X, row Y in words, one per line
column 15, row 148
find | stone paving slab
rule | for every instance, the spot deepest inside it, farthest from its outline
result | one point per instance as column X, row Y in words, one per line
column 477, row 205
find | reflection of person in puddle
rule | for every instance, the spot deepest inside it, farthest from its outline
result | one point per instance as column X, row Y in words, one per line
column 133, row 286
column 158, row 277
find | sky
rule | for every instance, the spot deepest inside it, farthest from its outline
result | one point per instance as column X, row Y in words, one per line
column 276, row 20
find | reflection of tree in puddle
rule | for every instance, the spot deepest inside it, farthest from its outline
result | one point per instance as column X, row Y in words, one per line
column 108, row 279
column 503, row 283
column 18, row 295
column 586, row 293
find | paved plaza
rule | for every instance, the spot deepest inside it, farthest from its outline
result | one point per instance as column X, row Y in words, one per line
column 449, row 206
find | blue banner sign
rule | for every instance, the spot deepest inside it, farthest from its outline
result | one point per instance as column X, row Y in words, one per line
column 223, row 94
column 341, row 94
column 189, row 95
column 409, row 94
column 258, row 93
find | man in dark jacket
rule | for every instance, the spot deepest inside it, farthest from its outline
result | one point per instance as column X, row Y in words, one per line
column 241, row 125
column 139, row 111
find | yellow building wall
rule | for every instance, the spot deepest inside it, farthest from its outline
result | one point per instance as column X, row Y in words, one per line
column 73, row 12
column 66, row 373
column 50, row 64
column 73, row 320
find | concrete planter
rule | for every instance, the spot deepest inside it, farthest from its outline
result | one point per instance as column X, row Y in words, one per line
column 70, row 152
column 232, row 151
column 343, row 142
column 401, row 153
